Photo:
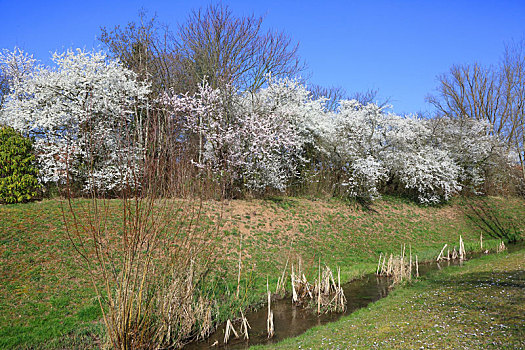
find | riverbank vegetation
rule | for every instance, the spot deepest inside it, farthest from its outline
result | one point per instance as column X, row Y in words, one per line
column 478, row 305
column 49, row 300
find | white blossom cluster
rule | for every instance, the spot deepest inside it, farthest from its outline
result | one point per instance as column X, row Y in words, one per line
column 262, row 139
column 257, row 139
column 76, row 111
column 81, row 110
column 471, row 147
column 15, row 66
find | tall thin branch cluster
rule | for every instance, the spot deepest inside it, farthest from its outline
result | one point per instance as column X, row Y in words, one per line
column 212, row 45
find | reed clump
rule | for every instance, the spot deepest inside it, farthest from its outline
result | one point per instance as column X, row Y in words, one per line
column 454, row 254
column 399, row 267
column 229, row 330
column 324, row 292
column 245, row 327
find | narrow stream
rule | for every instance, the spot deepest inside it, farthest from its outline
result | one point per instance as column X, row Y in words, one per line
column 290, row 320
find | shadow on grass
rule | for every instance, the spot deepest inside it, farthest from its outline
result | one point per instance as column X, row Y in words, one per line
column 490, row 220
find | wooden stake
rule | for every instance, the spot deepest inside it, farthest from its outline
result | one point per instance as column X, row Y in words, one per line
column 410, row 264
column 294, row 292
column 460, row 253
column 271, row 330
column 402, row 265
column 269, row 294
column 269, row 322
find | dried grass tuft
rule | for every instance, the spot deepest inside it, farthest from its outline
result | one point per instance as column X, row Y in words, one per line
column 399, row 267
column 501, row 247
column 327, row 295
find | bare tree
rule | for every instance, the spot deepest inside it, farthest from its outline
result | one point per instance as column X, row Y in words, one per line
column 227, row 50
column 470, row 91
column 148, row 48
column 211, row 44
column 334, row 94
column 513, row 70
column 495, row 94
column 370, row 96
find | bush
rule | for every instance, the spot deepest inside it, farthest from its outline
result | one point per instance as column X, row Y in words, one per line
column 18, row 175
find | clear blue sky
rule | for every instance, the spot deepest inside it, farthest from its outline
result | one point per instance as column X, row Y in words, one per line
column 397, row 47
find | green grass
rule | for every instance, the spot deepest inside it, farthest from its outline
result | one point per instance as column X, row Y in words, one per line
column 46, row 299
column 478, row 306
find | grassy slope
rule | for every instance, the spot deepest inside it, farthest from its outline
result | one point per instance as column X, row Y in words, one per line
column 46, row 299
column 481, row 305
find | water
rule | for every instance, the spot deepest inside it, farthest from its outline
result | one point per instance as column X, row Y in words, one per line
column 291, row 321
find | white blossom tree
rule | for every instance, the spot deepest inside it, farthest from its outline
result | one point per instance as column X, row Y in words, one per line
column 79, row 112
column 374, row 148
column 257, row 139
column 15, row 66
column 86, row 110
column 477, row 154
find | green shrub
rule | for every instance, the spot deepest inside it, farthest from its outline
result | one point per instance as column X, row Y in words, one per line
column 18, row 174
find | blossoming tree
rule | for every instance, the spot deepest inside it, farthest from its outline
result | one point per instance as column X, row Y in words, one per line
column 79, row 112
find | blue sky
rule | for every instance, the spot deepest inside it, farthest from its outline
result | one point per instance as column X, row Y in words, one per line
column 397, row 47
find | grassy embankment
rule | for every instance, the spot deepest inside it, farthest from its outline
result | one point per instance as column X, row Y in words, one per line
column 46, row 299
column 478, row 306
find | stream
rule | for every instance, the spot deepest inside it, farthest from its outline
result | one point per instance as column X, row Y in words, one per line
column 291, row 321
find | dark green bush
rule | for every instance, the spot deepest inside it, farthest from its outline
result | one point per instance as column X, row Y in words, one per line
column 18, row 174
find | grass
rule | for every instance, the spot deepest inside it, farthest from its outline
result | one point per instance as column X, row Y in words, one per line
column 46, row 299
column 479, row 305
column 44, row 296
